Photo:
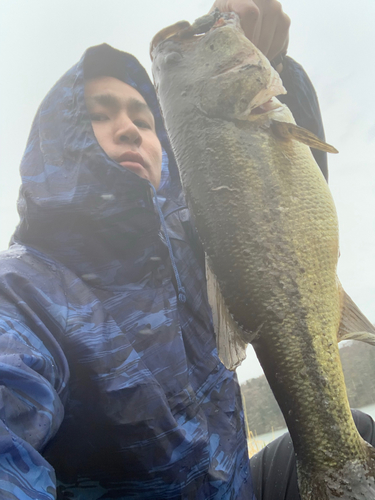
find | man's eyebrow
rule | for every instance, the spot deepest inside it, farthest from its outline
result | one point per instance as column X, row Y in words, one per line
column 112, row 101
column 137, row 105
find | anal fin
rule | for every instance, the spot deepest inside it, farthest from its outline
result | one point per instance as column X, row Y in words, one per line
column 231, row 348
column 354, row 325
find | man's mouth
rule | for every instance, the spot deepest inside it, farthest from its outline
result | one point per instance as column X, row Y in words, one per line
column 133, row 161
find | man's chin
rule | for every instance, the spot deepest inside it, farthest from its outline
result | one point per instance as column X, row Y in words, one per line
column 135, row 167
column 141, row 171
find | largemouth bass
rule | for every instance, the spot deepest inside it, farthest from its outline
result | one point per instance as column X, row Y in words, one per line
column 268, row 225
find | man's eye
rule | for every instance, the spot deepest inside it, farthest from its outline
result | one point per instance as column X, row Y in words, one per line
column 98, row 117
column 142, row 124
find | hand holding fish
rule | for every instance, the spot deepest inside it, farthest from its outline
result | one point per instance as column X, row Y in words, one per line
column 263, row 22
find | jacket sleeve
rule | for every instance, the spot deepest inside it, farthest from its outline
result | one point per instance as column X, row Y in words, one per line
column 302, row 100
column 33, row 377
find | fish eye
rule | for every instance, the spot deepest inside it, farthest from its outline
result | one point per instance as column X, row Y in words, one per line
column 173, row 58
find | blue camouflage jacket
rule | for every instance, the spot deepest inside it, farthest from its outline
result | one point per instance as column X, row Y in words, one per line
column 110, row 386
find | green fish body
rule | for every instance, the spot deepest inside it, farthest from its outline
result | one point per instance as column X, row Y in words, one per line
column 268, row 225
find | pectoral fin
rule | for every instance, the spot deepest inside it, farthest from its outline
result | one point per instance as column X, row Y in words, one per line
column 230, row 346
column 289, row 131
column 354, row 324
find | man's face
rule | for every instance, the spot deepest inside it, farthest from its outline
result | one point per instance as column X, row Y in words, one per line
column 124, row 126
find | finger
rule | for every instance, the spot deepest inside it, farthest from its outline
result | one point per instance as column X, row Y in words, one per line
column 248, row 13
column 267, row 32
column 277, row 49
column 274, row 30
column 272, row 12
column 280, row 41
column 257, row 30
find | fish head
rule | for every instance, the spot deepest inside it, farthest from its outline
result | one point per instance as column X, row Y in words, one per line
column 219, row 71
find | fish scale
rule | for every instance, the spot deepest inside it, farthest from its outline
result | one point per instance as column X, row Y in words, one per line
column 268, row 225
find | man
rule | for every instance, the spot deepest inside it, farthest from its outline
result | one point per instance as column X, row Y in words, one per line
column 111, row 372
column 110, row 378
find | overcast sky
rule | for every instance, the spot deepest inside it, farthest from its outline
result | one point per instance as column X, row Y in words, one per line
column 334, row 40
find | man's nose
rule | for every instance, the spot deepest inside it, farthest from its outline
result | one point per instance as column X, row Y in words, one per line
column 127, row 132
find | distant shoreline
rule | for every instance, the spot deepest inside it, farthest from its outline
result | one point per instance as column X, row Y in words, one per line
column 266, row 438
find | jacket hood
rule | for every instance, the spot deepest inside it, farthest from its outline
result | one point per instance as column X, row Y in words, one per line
column 71, row 190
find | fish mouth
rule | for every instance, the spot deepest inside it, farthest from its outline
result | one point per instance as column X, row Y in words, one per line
column 264, row 101
column 267, row 107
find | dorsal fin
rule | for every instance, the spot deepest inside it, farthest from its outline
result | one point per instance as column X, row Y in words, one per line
column 231, row 348
column 354, row 325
